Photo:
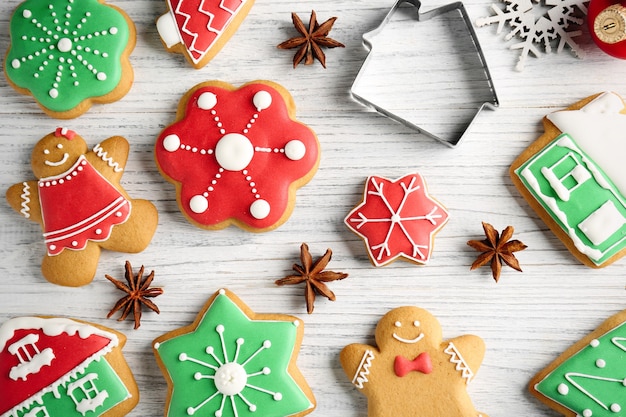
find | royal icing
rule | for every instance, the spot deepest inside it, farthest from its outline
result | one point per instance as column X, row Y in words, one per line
column 66, row 51
column 237, row 156
column 198, row 25
column 92, row 216
column 410, row 358
column 578, row 177
column 233, row 365
column 457, row 359
column 591, row 382
column 57, row 367
column 397, row 218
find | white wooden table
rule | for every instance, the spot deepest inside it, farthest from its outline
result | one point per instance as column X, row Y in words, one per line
column 527, row 319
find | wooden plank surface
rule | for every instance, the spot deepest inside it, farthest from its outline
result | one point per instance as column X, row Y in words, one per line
column 526, row 319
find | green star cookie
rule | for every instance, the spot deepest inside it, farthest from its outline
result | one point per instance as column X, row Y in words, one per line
column 234, row 362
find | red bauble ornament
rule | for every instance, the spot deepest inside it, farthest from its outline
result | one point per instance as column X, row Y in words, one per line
column 607, row 25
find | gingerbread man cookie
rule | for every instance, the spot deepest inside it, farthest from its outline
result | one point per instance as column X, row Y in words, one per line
column 81, row 206
column 412, row 369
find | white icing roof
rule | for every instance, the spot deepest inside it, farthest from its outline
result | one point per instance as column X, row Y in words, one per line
column 51, row 327
column 600, row 130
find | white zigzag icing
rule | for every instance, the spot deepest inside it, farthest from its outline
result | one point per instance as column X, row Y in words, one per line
column 363, row 370
column 25, row 200
column 184, row 27
column 461, row 365
column 102, row 154
column 211, row 17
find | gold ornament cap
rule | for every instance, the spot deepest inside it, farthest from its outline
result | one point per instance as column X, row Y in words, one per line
column 610, row 24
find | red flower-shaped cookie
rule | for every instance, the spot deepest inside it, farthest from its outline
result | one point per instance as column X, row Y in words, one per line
column 237, row 156
column 397, row 219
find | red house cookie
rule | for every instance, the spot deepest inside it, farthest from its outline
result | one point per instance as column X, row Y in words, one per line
column 63, row 367
column 397, row 219
column 237, row 155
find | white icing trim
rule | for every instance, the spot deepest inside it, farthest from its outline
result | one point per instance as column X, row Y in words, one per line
column 363, row 370
column 25, row 200
column 102, row 154
column 461, row 365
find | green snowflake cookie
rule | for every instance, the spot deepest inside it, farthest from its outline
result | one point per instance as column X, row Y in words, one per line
column 67, row 53
column 233, row 362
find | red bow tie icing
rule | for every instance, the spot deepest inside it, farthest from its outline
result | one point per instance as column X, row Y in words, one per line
column 422, row 363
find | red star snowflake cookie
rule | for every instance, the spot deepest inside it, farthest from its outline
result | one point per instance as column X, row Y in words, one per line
column 397, row 218
column 237, row 156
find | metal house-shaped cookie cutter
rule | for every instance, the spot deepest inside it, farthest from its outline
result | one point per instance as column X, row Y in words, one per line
column 426, row 71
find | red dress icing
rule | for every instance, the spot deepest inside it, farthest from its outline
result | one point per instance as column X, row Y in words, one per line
column 189, row 153
column 78, row 206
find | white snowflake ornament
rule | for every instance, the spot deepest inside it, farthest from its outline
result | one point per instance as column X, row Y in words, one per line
column 533, row 27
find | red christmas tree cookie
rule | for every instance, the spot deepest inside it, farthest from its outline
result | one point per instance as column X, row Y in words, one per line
column 237, row 155
column 200, row 28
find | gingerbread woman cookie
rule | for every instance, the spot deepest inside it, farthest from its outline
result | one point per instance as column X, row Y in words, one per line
column 81, row 206
column 412, row 369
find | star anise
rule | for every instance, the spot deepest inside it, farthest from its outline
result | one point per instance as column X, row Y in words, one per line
column 497, row 249
column 313, row 275
column 311, row 41
column 138, row 291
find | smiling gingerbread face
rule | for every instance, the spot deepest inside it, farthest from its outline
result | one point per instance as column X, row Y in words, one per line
column 56, row 153
column 408, row 329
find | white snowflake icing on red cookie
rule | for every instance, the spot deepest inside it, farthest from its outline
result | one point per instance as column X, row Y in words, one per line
column 237, row 155
column 397, row 218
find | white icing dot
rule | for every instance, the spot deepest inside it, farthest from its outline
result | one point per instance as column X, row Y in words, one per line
column 15, row 63
column 616, row 408
column 64, row 45
column 53, row 247
column 594, row 343
column 262, row 100
column 600, row 363
column 190, row 411
column 267, row 344
column 295, row 150
column 74, row 243
column 587, row 413
column 98, row 231
column 198, row 204
column 171, row 143
column 252, row 408
column 398, row 324
column 101, row 76
column 113, row 30
column 260, row 209
column 222, row 291
column 157, row 345
column 182, row 357
column 278, row 396
column 27, row 14
column 207, row 101
column 296, row 323
column 563, row 389
column 54, row 93
column 234, row 152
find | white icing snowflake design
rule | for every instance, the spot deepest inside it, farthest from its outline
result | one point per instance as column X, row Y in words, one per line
column 230, row 376
column 534, row 28
column 63, row 45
